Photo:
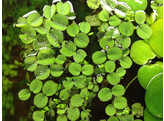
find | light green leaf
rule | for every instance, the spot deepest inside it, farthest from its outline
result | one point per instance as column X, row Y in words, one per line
column 114, row 20
column 49, row 11
column 24, row 94
column 113, row 118
column 121, row 71
column 35, row 19
column 106, row 42
column 60, row 59
column 38, row 116
column 73, row 113
column 79, row 56
column 84, row 92
column 141, row 52
column 77, row 100
column 114, row 53
column 140, row 16
column 113, row 78
column 120, row 102
column 109, row 66
column 42, row 72
column 110, row 110
column 26, row 39
column 73, row 29
column 144, row 31
column 55, row 37
column 99, row 57
column 41, row 42
column 68, row 48
column 46, row 56
column 63, row 8
column 126, row 28
column 56, row 70
column 30, row 62
column 40, row 100
column 105, row 94
column 137, row 109
column 85, row 27
column 123, row 41
column 61, row 118
column 74, row 68
column 108, row 5
column 87, row 69
column 150, row 117
column 80, row 81
column 36, row 86
column 81, row 40
column 103, row 16
column 118, row 90
column 49, row 88
column 68, row 84
column 93, row 4
column 64, row 94
column 93, row 20
column 59, row 22
column 99, row 78
column 21, row 22
column 126, row 62
column 41, row 30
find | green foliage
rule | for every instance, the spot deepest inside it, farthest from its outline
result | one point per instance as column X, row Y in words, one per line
column 24, row 94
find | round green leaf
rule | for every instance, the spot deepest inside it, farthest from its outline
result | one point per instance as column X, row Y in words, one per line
column 110, row 110
column 26, row 39
column 87, row 69
column 49, row 88
column 68, row 48
column 55, row 37
column 109, row 66
column 160, row 12
column 150, row 71
column 113, row 78
column 35, row 19
column 108, row 5
column 46, row 56
column 99, row 78
column 24, row 94
column 30, row 62
column 61, row 118
column 118, row 90
column 42, row 72
column 21, row 22
column 59, row 22
column 29, row 30
column 159, row 1
column 73, row 29
column 38, row 116
column 126, row 62
column 73, row 113
column 113, row 118
column 81, row 40
column 114, row 53
column 68, row 84
column 137, row 5
column 56, row 70
column 121, row 71
column 41, row 30
column 77, row 100
column 105, row 94
column 93, row 20
column 36, row 86
column 85, row 27
column 99, row 57
column 140, row 16
column 60, row 59
column 80, row 81
column 120, row 102
column 156, row 40
column 74, row 68
column 149, row 117
column 63, row 8
column 93, row 4
column 103, row 15
column 40, row 100
column 123, row 42
column 154, row 95
column 64, row 94
column 126, row 28
column 144, row 31
column 114, row 20
column 104, row 26
column 106, row 42
column 41, row 42
column 141, row 52
column 79, row 56
column 49, row 11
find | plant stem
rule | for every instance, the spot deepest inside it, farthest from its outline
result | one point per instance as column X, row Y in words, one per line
column 130, row 82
